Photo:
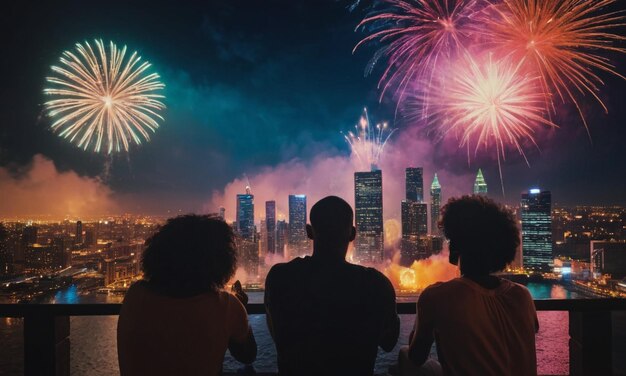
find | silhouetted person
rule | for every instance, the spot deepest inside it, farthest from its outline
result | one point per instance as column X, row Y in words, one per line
column 327, row 316
column 482, row 324
column 178, row 320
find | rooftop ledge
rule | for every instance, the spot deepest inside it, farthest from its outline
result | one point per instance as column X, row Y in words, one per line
column 47, row 329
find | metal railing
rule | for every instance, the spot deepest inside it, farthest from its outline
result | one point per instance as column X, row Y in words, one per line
column 47, row 330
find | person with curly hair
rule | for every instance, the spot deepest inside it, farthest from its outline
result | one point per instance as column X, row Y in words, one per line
column 178, row 320
column 482, row 324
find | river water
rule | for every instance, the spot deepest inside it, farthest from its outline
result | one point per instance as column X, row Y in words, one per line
column 93, row 339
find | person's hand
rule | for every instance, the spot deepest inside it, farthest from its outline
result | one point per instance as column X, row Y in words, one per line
column 237, row 289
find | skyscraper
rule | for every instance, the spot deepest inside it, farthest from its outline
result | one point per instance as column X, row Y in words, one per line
column 435, row 205
column 535, row 209
column 281, row 237
column 270, row 226
column 414, row 218
column 298, row 243
column 368, row 200
column 222, row 213
column 480, row 186
column 245, row 215
column 79, row 232
column 414, row 184
column 248, row 241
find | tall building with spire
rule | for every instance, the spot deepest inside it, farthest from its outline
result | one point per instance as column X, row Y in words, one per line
column 248, row 241
column 480, row 186
column 245, row 215
column 435, row 205
column 368, row 202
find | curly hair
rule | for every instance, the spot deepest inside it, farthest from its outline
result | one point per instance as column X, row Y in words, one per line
column 483, row 232
column 190, row 254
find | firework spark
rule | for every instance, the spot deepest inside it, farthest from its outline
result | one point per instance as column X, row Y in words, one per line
column 561, row 40
column 417, row 35
column 367, row 141
column 488, row 103
column 103, row 101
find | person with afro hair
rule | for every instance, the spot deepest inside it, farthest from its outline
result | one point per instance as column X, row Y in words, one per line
column 179, row 320
column 482, row 324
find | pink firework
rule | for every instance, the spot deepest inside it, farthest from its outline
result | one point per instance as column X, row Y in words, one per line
column 416, row 35
column 486, row 103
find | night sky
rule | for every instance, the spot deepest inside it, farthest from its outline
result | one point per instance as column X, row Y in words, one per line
column 254, row 87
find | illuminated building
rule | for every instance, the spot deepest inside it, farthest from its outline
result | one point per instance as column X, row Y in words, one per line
column 608, row 257
column 270, row 226
column 6, row 258
column 62, row 252
column 480, row 186
column 281, row 237
column 536, row 218
column 248, row 241
column 414, row 219
column 79, row 232
column 245, row 215
column 414, row 184
column 298, row 242
column 435, row 205
column 368, row 199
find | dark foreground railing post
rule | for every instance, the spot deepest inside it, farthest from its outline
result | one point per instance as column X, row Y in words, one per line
column 590, row 344
column 46, row 345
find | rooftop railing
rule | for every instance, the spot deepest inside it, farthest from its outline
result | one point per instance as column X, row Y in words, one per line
column 47, row 330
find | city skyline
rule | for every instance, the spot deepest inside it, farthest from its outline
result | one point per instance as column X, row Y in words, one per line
column 221, row 124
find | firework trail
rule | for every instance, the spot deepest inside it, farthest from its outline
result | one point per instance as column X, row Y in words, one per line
column 103, row 101
column 486, row 103
column 416, row 36
column 367, row 141
column 560, row 40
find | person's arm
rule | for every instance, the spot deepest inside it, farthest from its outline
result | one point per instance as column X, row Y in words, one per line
column 422, row 338
column 242, row 344
column 267, row 299
column 390, row 330
column 245, row 350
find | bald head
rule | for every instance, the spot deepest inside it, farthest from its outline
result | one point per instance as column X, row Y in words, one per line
column 331, row 222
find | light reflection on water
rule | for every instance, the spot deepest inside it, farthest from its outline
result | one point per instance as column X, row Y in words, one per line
column 93, row 339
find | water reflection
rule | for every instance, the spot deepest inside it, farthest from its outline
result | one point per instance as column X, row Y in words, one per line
column 66, row 296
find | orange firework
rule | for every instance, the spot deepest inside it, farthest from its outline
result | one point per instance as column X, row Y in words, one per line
column 560, row 40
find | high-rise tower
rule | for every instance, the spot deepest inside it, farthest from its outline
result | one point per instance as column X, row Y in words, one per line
column 535, row 210
column 414, row 184
column 368, row 200
column 270, row 226
column 247, row 241
column 245, row 215
column 298, row 242
column 435, row 205
column 79, row 232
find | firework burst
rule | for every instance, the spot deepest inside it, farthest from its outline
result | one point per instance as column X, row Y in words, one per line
column 560, row 40
column 416, row 35
column 104, row 101
column 368, row 141
column 487, row 103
